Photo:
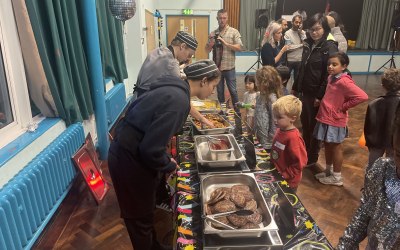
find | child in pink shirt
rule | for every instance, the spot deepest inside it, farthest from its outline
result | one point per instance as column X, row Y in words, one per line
column 341, row 95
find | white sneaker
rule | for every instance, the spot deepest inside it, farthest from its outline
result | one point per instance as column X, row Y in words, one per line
column 320, row 175
column 332, row 180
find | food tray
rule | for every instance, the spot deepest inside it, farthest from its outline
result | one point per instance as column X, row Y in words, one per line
column 211, row 182
column 205, row 157
column 219, row 154
column 213, row 131
column 206, row 106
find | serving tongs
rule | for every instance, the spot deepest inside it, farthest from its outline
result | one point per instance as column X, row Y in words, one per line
column 213, row 139
column 212, row 217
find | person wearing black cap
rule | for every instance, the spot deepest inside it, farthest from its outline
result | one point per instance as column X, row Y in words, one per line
column 165, row 61
column 138, row 158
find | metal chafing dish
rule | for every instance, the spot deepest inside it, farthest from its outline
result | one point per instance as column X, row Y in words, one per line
column 267, row 227
column 213, row 131
column 215, row 141
column 206, row 106
column 209, row 158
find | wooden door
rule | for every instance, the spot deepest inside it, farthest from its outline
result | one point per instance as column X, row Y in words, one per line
column 150, row 32
column 198, row 26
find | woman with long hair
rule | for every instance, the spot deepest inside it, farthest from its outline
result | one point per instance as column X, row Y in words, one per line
column 273, row 50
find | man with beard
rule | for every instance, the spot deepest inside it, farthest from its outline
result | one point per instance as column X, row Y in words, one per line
column 225, row 41
column 284, row 23
column 294, row 38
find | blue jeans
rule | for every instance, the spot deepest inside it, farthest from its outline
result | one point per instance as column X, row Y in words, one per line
column 230, row 77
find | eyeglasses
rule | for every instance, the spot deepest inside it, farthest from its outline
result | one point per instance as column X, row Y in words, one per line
column 314, row 30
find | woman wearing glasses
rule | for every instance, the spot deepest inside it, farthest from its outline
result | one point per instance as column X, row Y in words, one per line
column 311, row 81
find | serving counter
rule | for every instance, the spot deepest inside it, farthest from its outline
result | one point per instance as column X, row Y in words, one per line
column 296, row 228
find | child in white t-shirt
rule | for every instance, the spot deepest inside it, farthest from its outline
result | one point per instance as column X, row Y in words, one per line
column 249, row 99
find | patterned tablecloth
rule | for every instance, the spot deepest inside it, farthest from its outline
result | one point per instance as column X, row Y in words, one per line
column 187, row 207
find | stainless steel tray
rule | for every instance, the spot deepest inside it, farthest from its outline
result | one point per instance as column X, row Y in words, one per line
column 213, row 131
column 211, row 182
column 206, row 106
column 205, row 157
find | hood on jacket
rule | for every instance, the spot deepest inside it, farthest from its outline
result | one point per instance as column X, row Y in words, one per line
column 170, row 80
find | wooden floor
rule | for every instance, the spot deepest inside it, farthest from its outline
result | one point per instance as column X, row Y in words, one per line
column 81, row 224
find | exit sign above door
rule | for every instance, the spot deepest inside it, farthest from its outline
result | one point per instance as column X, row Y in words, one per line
column 187, row 12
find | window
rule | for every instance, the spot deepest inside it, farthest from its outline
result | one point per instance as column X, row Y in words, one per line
column 6, row 116
column 15, row 111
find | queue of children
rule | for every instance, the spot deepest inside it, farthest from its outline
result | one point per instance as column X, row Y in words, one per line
column 327, row 91
column 341, row 94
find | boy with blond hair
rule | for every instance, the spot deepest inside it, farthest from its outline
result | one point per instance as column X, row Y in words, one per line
column 288, row 152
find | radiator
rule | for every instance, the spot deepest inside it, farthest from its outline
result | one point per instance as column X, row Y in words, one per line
column 29, row 200
column 115, row 103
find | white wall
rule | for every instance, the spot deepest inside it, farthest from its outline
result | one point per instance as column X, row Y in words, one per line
column 135, row 35
column 135, row 42
column 189, row 4
column 199, row 7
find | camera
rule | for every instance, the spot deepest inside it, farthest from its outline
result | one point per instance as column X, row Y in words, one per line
column 218, row 43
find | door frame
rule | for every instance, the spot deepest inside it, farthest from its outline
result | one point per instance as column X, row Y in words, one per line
column 204, row 17
column 173, row 15
column 154, row 31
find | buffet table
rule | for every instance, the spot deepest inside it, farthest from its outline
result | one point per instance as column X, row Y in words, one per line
column 297, row 229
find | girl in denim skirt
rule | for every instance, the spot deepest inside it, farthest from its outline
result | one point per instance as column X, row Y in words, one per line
column 341, row 95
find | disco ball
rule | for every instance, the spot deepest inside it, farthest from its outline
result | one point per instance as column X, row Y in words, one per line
column 122, row 9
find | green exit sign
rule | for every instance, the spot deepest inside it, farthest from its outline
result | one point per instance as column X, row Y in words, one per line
column 187, row 12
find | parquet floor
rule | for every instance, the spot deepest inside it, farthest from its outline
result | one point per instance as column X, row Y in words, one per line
column 81, row 224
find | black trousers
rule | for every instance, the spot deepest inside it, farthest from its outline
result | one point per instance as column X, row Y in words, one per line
column 295, row 66
column 142, row 234
column 135, row 186
column 308, row 122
